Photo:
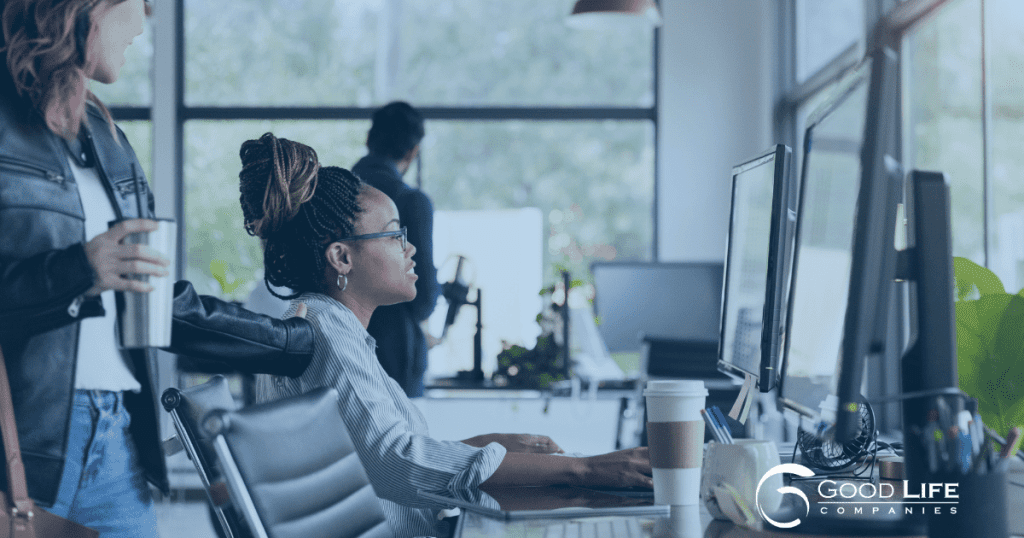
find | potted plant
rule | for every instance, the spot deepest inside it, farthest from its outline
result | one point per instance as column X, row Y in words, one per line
column 990, row 345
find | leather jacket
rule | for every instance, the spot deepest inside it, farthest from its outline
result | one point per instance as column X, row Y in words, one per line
column 44, row 273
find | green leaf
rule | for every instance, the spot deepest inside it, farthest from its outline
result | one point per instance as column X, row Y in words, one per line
column 992, row 416
column 1001, row 374
column 972, row 277
column 977, row 322
column 990, row 312
column 966, row 317
column 219, row 271
column 970, row 353
column 1013, row 416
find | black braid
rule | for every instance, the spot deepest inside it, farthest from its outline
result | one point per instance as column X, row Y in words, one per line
column 296, row 208
column 293, row 256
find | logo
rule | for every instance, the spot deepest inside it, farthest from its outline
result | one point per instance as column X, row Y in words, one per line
column 792, row 468
column 860, row 498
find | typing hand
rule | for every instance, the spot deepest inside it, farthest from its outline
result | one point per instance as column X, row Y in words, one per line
column 624, row 468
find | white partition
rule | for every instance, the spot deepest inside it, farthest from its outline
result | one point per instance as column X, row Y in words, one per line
column 503, row 248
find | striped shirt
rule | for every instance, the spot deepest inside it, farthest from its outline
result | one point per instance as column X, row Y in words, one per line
column 388, row 431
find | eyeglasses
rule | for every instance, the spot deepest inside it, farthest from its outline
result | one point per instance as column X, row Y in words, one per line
column 397, row 233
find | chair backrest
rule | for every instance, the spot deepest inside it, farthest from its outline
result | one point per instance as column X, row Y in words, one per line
column 187, row 408
column 293, row 471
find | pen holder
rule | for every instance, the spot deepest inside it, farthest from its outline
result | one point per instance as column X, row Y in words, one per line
column 740, row 466
column 981, row 508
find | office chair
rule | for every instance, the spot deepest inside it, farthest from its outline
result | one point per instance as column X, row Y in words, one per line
column 187, row 408
column 292, row 470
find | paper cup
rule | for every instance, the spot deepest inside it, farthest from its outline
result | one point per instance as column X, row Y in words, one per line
column 675, row 437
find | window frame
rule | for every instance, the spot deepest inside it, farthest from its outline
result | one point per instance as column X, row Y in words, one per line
column 169, row 113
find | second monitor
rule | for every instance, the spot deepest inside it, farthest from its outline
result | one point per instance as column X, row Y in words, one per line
column 757, row 261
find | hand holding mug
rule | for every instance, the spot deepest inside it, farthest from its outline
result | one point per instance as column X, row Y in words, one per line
column 113, row 261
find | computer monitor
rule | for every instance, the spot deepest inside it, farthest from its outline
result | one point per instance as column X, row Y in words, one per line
column 677, row 301
column 836, row 305
column 757, row 260
column 873, row 266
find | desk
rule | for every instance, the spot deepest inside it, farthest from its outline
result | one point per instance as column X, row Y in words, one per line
column 685, row 522
column 593, row 423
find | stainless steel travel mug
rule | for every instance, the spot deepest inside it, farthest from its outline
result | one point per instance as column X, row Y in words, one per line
column 145, row 319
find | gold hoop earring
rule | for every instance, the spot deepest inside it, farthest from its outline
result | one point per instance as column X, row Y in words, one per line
column 340, row 286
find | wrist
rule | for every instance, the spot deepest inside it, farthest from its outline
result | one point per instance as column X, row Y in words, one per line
column 579, row 470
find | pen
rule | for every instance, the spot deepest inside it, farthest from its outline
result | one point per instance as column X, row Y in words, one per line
column 722, row 423
column 963, row 448
column 934, row 443
column 711, row 425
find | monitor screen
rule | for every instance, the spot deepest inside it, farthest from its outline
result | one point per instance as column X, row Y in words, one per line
column 678, row 301
column 756, row 259
column 819, row 289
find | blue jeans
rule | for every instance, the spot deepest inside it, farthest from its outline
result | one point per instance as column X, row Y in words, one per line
column 103, row 486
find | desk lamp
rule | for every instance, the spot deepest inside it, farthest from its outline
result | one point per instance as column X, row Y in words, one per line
column 456, row 293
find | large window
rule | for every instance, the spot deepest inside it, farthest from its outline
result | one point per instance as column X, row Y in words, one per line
column 965, row 103
column 522, row 111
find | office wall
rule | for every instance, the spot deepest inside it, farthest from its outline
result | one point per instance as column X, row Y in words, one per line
column 717, row 69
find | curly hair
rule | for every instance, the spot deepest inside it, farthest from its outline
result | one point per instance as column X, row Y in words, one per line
column 45, row 44
column 296, row 207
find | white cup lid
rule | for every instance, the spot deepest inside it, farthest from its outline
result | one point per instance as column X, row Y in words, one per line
column 676, row 387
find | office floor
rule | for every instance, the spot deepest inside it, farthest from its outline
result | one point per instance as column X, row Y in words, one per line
column 183, row 519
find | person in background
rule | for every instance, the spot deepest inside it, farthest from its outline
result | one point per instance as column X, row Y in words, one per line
column 340, row 245
column 402, row 342
column 86, row 410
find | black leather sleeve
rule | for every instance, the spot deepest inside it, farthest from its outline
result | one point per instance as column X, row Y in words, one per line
column 35, row 292
column 211, row 329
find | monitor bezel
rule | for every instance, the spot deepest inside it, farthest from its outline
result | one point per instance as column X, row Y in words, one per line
column 778, row 256
column 843, row 88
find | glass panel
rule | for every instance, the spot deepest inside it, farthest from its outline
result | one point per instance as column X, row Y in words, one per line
column 592, row 181
column 140, row 136
column 451, row 52
column 1005, row 50
column 824, row 28
column 943, row 132
column 213, row 216
column 468, row 52
column 134, row 86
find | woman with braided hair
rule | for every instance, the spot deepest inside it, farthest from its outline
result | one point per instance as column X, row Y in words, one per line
column 339, row 245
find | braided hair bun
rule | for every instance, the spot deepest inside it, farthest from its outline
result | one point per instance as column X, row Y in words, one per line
column 296, row 208
column 277, row 177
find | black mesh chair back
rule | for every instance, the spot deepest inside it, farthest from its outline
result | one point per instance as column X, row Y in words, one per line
column 187, row 408
column 293, row 471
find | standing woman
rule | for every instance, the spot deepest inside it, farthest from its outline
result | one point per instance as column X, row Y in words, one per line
column 86, row 410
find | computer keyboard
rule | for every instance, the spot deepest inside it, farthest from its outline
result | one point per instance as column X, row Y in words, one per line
column 604, row 527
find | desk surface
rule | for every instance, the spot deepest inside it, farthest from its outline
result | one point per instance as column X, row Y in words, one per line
column 685, row 522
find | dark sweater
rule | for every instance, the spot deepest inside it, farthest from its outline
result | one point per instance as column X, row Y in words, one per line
column 401, row 346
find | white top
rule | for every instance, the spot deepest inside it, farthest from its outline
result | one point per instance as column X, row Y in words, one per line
column 388, row 431
column 100, row 364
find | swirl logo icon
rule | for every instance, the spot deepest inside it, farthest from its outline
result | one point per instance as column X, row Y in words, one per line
column 792, row 468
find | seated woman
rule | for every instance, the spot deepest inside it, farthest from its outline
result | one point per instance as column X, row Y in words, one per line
column 338, row 243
